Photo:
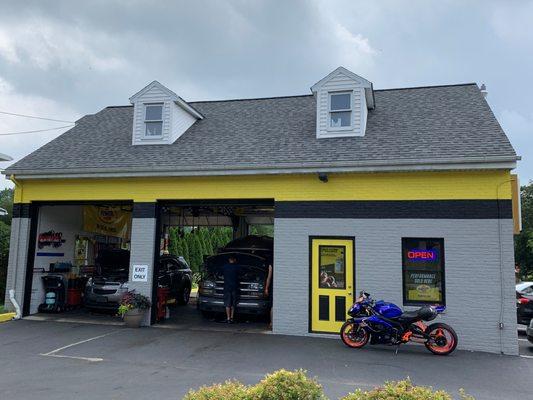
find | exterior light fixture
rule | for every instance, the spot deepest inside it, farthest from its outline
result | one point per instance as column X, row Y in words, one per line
column 323, row 177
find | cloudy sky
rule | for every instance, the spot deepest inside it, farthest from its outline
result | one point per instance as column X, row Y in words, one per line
column 65, row 59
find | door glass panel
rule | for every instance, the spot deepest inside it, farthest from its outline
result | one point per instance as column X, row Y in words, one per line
column 332, row 267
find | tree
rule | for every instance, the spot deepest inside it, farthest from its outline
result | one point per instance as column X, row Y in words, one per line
column 524, row 241
column 6, row 202
column 5, row 230
column 173, row 242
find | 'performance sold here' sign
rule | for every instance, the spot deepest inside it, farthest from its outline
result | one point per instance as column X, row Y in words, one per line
column 140, row 273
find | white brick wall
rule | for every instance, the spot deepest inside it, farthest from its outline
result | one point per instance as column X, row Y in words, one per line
column 142, row 253
column 18, row 256
column 472, row 272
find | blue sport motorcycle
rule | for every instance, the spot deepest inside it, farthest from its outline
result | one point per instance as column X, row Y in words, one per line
column 385, row 323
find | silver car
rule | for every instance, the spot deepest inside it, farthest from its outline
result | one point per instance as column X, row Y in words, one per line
column 104, row 291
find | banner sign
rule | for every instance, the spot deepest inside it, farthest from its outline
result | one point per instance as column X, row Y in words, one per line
column 107, row 220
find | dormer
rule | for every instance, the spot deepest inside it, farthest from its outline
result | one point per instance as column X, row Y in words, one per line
column 160, row 116
column 343, row 100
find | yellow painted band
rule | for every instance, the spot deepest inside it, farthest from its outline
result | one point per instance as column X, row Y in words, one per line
column 363, row 186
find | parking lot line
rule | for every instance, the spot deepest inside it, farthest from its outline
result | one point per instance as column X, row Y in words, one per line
column 53, row 353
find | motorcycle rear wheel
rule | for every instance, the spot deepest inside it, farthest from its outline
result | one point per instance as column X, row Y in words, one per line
column 443, row 339
column 352, row 335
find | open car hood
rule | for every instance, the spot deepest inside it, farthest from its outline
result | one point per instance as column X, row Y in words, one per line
column 252, row 267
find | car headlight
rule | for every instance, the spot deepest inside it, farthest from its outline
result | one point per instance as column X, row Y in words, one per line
column 124, row 286
column 208, row 285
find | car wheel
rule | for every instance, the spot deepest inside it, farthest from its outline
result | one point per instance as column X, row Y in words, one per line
column 184, row 295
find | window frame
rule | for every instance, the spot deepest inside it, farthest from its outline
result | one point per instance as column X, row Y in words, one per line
column 406, row 301
column 350, row 110
column 148, row 121
column 320, row 247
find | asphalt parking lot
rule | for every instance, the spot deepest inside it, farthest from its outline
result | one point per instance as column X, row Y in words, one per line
column 83, row 361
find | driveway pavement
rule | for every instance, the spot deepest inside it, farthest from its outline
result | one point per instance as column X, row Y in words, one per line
column 45, row 360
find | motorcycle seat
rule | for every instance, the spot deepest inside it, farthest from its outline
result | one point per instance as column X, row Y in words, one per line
column 425, row 313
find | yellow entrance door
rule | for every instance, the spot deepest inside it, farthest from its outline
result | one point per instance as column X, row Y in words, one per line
column 332, row 282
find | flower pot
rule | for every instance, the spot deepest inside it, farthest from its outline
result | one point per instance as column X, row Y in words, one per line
column 133, row 318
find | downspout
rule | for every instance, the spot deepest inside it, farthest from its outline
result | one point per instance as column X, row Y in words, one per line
column 18, row 314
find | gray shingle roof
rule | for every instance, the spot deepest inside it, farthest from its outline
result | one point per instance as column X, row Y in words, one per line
column 407, row 125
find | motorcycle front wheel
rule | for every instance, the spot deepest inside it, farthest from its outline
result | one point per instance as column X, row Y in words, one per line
column 353, row 335
column 442, row 339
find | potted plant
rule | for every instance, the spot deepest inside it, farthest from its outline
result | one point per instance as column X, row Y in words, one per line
column 133, row 308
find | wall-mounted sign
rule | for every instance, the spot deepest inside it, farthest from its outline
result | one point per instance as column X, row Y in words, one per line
column 423, row 270
column 50, row 238
column 140, row 273
column 107, row 220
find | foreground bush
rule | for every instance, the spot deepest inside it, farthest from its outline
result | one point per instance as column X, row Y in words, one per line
column 295, row 385
column 287, row 385
column 402, row 390
column 280, row 385
column 230, row 390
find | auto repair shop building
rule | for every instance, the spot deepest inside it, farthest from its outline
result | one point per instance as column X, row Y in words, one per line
column 405, row 193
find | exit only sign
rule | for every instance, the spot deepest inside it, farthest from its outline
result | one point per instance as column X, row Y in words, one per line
column 140, row 273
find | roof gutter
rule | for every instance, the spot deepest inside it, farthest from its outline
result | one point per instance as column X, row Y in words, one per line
column 471, row 163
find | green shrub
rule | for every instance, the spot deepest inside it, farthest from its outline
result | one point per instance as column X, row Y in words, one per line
column 402, row 390
column 230, row 390
column 295, row 385
column 287, row 385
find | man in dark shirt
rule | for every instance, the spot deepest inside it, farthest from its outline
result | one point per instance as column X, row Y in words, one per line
column 231, row 287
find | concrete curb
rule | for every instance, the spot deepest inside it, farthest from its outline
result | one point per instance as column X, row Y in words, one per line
column 7, row 316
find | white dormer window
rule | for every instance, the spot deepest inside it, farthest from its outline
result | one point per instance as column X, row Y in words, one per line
column 340, row 110
column 342, row 103
column 153, row 120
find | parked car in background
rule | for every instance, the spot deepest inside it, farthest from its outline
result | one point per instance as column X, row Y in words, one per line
column 175, row 273
column 104, row 291
column 253, row 254
column 524, row 302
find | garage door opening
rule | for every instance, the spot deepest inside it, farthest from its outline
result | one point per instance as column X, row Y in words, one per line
column 78, row 261
column 196, row 240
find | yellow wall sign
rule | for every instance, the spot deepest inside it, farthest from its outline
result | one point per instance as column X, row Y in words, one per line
column 107, row 220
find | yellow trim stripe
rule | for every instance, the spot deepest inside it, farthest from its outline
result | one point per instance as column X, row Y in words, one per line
column 368, row 186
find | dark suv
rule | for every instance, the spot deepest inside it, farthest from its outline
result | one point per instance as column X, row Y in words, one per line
column 253, row 254
column 175, row 273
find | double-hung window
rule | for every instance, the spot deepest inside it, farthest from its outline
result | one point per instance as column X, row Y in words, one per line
column 340, row 110
column 153, row 120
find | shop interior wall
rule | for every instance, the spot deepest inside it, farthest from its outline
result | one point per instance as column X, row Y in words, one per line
column 68, row 220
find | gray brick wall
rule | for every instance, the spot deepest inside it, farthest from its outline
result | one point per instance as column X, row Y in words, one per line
column 18, row 255
column 142, row 253
column 473, row 274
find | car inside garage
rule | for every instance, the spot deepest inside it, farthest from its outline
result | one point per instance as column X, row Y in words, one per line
column 203, row 235
column 78, row 263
